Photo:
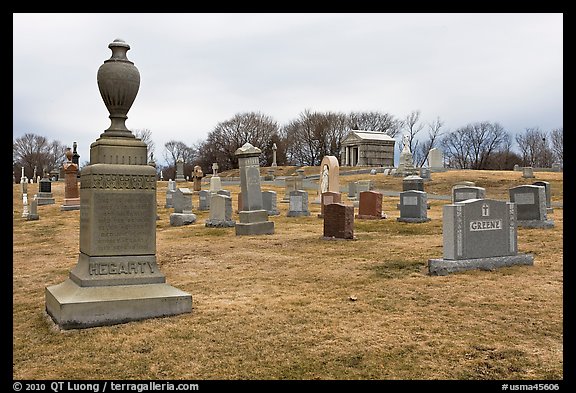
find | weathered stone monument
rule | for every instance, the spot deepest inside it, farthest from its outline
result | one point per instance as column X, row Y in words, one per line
column 269, row 199
column 45, row 196
column 253, row 216
column 479, row 234
column 71, row 191
column 528, row 172
column 220, row 212
column 33, row 214
column 435, row 159
column 405, row 163
column 338, row 221
column 274, row 148
column 180, row 170
column 462, row 193
column 204, row 197
column 298, row 204
column 548, row 191
column 25, row 211
column 170, row 190
column 413, row 182
column 530, row 203
column 215, row 182
column 117, row 278
column 197, row 176
column 291, row 183
column 329, row 176
column 425, row 174
column 413, row 206
column 182, row 208
column 329, row 197
column 370, row 206
column 76, row 158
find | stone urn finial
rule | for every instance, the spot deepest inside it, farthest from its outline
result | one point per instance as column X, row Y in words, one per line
column 118, row 82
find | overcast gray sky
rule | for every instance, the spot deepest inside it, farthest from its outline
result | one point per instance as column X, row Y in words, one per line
column 200, row 69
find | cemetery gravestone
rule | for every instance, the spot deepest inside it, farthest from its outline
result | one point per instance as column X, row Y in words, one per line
column 220, row 212
column 413, row 207
column 71, row 191
column 329, row 176
column 479, row 234
column 170, row 193
column 291, row 183
column 530, row 202
column 462, row 193
column 33, row 214
column 269, row 202
column 370, row 206
column 45, row 196
column 204, row 197
column 528, row 172
column 116, row 279
column 298, row 204
column 253, row 216
column 338, row 221
column 197, row 176
column 329, row 197
column 548, row 192
column 182, row 208
column 215, row 182
column 180, row 170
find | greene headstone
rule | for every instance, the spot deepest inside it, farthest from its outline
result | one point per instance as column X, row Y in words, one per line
column 413, row 207
column 479, row 234
column 530, row 203
column 116, row 279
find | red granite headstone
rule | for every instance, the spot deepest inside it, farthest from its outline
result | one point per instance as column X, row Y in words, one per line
column 339, row 221
column 370, row 206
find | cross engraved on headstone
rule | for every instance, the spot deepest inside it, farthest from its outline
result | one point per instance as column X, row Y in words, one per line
column 485, row 210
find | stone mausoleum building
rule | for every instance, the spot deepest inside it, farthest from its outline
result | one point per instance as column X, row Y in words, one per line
column 367, row 148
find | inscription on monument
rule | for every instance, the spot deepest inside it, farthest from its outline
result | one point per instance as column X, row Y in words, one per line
column 120, row 227
column 410, row 200
column 100, row 268
column 524, row 199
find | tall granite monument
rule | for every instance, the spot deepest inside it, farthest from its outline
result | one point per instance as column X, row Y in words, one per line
column 116, row 279
column 253, row 216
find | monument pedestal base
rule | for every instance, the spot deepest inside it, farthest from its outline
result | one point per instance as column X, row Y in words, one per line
column 442, row 267
column 255, row 228
column 412, row 219
column 71, row 306
column 535, row 223
column 70, row 204
column 180, row 219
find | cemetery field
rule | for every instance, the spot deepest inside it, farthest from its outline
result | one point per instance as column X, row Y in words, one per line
column 292, row 305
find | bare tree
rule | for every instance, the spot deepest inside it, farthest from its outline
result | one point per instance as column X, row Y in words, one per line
column 472, row 146
column 374, row 121
column 222, row 142
column 315, row 135
column 557, row 141
column 145, row 135
column 412, row 128
column 434, row 134
column 534, row 148
column 31, row 150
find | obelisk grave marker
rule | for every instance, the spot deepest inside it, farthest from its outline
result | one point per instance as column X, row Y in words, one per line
column 116, row 279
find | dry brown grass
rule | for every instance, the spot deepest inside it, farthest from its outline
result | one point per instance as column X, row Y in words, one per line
column 279, row 306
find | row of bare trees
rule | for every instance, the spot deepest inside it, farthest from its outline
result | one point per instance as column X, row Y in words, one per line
column 305, row 140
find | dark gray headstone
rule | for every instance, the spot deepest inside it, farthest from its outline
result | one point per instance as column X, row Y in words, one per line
column 462, row 193
column 531, row 205
column 413, row 206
